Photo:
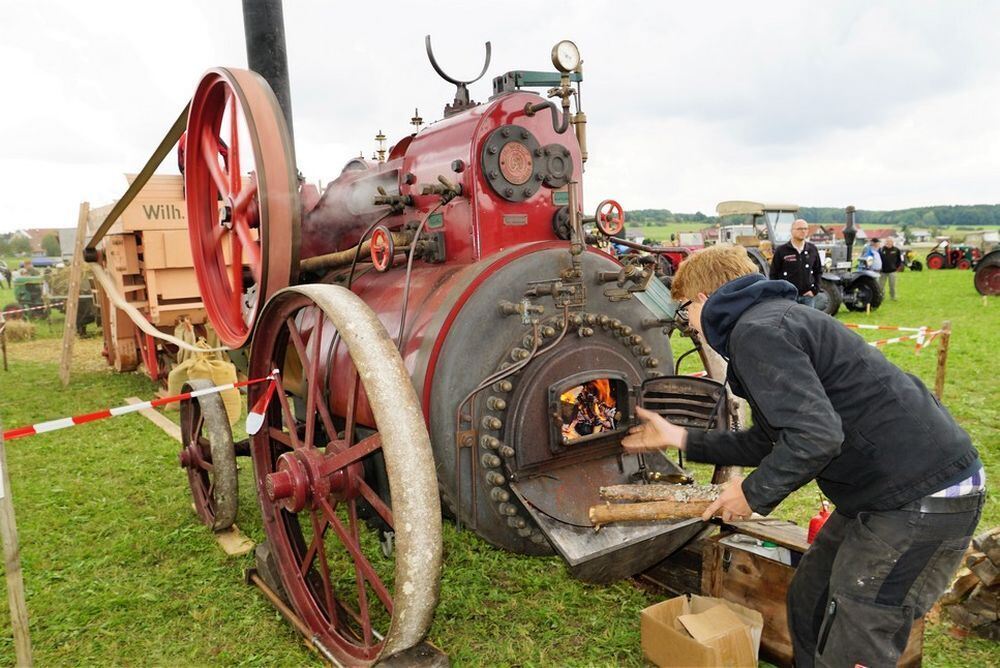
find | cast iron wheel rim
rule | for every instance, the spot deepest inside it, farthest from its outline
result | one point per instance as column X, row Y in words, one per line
column 255, row 217
column 360, row 605
column 987, row 278
column 208, row 456
column 963, row 264
column 935, row 261
column 12, row 312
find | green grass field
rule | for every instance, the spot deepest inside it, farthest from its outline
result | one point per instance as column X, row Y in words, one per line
column 119, row 572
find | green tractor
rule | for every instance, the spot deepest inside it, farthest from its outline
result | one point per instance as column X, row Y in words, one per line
column 29, row 292
column 947, row 255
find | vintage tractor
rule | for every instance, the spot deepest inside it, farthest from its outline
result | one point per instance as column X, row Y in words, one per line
column 987, row 275
column 771, row 225
column 445, row 333
column 946, row 255
column 29, row 293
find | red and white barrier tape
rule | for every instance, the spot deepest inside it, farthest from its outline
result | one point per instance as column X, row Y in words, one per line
column 62, row 423
column 892, row 328
column 923, row 339
column 4, row 314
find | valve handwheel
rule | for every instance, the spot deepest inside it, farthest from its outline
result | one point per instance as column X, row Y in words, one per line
column 382, row 248
column 610, row 217
column 243, row 209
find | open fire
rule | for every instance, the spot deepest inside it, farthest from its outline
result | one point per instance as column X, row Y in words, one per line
column 588, row 409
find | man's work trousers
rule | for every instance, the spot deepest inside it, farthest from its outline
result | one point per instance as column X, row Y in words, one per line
column 865, row 579
column 891, row 277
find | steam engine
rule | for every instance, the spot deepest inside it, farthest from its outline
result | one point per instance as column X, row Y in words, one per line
column 442, row 323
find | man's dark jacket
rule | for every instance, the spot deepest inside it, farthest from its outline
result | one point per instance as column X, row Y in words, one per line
column 826, row 405
column 892, row 259
column 800, row 269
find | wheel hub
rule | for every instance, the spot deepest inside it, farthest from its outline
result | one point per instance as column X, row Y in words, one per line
column 302, row 478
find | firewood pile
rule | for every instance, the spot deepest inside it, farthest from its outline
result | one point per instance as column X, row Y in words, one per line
column 973, row 602
column 639, row 503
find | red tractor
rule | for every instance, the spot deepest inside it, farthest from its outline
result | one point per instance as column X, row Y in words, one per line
column 947, row 255
column 987, row 276
column 448, row 334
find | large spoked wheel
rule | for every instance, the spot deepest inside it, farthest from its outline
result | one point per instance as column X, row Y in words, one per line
column 987, row 278
column 343, row 459
column 242, row 198
column 208, row 456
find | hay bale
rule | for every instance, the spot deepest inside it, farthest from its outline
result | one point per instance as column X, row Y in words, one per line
column 19, row 330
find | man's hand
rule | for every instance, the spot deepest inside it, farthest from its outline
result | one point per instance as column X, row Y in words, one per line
column 731, row 504
column 655, row 433
column 809, row 294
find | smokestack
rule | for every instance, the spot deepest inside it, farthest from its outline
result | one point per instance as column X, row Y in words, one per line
column 264, row 26
column 850, row 232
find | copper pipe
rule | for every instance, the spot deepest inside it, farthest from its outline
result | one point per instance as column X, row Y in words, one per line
column 345, row 257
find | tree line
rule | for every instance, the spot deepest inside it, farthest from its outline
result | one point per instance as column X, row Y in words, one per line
column 930, row 217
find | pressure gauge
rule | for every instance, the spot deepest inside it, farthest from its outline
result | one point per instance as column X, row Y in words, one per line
column 565, row 56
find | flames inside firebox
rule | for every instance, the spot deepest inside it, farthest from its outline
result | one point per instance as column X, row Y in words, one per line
column 588, row 409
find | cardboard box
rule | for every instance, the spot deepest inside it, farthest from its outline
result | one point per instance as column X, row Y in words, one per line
column 701, row 631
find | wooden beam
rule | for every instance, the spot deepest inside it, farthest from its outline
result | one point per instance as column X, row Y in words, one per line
column 12, row 566
column 158, row 418
column 73, row 298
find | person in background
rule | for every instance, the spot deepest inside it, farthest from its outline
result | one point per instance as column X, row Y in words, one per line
column 797, row 262
column 892, row 260
column 908, row 484
column 870, row 258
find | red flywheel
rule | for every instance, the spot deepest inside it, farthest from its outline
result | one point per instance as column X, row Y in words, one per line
column 242, row 197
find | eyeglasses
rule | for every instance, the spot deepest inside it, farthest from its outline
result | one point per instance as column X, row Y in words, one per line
column 681, row 311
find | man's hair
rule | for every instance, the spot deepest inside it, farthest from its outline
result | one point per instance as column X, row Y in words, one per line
column 709, row 269
column 873, row 240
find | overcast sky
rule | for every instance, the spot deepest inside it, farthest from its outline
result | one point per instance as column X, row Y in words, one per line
column 882, row 105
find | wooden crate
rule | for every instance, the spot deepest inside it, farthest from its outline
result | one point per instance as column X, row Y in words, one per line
column 761, row 583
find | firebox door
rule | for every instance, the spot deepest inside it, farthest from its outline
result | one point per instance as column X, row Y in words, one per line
column 558, row 499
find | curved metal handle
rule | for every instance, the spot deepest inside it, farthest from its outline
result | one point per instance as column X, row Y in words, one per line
column 441, row 73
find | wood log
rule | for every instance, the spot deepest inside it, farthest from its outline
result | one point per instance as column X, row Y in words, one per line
column 985, row 570
column 650, row 510
column 990, row 595
column 988, row 543
column 980, row 605
column 978, row 625
column 960, row 588
column 661, row 492
column 983, row 541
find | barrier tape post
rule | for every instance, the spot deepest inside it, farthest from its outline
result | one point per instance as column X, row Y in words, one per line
column 942, row 359
column 73, row 299
column 12, row 566
column 3, row 342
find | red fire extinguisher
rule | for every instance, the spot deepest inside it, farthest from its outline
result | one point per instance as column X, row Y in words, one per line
column 818, row 520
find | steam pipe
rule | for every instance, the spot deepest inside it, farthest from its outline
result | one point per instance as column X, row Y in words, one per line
column 850, row 232
column 264, row 27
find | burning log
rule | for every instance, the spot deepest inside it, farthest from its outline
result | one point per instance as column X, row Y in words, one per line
column 655, row 502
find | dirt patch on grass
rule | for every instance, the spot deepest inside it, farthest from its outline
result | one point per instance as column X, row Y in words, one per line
column 87, row 357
